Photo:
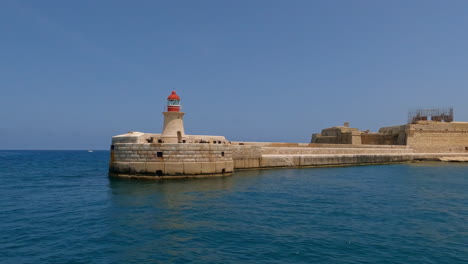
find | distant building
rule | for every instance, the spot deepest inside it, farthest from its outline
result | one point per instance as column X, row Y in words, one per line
column 439, row 135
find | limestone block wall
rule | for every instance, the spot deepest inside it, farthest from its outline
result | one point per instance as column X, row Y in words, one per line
column 335, row 138
column 438, row 137
column 163, row 159
column 357, row 146
column 337, row 135
column 269, row 144
column 314, row 145
column 331, row 159
column 356, row 138
column 268, row 155
column 336, row 151
column 379, row 139
column 138, row 153
column 395, row 135
column 246, row 156
column 318, row 138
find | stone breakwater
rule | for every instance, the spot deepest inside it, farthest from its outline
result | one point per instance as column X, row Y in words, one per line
column 161, row 160
column 170, row 159
column 265, row 156
column 136, row 155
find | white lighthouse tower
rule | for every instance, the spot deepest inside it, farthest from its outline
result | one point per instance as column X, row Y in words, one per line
column 173, row 131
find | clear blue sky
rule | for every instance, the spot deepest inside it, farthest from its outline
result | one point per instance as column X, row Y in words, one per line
column 75, row 73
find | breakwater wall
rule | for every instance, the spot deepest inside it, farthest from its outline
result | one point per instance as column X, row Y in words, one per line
column 210, row 159
column 251, row 156
column 175, row 159
column 164, row 160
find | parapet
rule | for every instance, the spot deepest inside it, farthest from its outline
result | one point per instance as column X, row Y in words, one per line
column 139, row 137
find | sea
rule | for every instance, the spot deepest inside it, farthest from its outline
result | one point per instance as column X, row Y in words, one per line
column 61, row 207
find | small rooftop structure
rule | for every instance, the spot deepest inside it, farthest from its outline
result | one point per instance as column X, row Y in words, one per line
column 432, row 114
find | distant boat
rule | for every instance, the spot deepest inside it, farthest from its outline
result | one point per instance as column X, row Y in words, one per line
column 90, row 151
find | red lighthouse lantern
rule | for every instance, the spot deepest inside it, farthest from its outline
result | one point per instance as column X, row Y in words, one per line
column 173, row 102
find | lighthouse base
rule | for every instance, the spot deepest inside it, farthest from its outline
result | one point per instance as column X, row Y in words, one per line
column 167, row 160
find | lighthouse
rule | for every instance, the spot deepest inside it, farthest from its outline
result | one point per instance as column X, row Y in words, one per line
column 173, row 131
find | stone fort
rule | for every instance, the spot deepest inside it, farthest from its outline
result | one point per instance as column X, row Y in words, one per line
column 439, row 135
column 173, row 153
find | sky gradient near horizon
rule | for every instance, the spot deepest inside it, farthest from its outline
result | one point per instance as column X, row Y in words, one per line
column 75, row 73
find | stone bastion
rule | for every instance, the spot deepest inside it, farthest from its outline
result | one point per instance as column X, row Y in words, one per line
column 136, row 153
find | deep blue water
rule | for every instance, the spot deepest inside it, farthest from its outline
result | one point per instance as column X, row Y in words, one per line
column 60, row 207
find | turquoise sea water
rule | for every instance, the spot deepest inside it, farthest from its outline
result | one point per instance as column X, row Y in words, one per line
column 60, row 207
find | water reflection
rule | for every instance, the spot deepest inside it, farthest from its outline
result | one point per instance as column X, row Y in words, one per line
column 171, row 212
column 173, row 194
column 176, row 190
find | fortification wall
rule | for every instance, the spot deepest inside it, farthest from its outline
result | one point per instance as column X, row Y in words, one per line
column 379, row 139
column 334, row 151
column 170, row 159
column 313, row 145
column 331, row 159
column 287, row 157
column 333, row 138
column 268, row 155
column 438, row 137
column 187, row 159
column 395, row 135
column 245, row 156
column 338, row 135
column 358, row 146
